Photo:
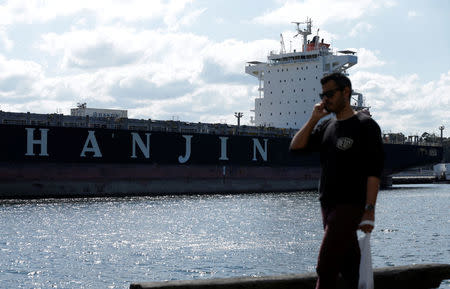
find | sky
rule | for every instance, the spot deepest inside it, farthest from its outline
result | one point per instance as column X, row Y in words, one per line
column 185, row 59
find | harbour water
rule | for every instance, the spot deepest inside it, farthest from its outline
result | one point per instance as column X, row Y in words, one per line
column 109, row 243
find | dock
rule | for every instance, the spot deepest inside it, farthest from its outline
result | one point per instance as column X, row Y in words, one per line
column 423, row 276
column 397, row 180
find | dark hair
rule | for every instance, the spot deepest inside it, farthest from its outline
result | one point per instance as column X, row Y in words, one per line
column 340, row 79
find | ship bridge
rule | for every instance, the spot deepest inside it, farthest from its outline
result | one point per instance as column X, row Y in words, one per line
column 289, row 82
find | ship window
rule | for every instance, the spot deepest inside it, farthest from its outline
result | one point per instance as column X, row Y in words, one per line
column 280, row 113
column 296, row 123
column 289, row 112
column 259, row 114
column 280, row 80
column 269, row 80
column 314, row 89
column 287, row 123
column 306, row 66
column 304, row 111
column 270, row 113
column 302, row 89
column 270, row 103
column 280, row 102
column 297, row 68
column 271, row 92
column 292, row 79
column 260, row 104
column 295, row 112
column 269, row 71
column 304, row 78
column 302, row 67
column 317, row 66
column 299, row 79
column 282, row 91
column 295, row 101
column 282, row 70
column 278, row 70
column 285, row 80
column 316, row 77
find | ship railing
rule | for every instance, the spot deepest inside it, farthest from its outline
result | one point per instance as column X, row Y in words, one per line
column 15, row 121
column 276, row 61
column 137, row 127
column 420, row 143
column 141, row 125
column 40, row 122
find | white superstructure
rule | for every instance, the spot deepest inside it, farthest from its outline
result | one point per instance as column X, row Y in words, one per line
column 289, row 82
column 84, row 111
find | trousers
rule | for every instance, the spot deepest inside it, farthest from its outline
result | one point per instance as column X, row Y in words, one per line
column 339, row 252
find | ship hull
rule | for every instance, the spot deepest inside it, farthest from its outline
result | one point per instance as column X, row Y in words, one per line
column 82, row 180
column 42, row 162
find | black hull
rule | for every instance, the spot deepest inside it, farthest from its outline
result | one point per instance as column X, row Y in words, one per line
column 39, row 162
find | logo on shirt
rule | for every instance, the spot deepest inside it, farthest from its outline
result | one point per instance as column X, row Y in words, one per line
column 344, row 143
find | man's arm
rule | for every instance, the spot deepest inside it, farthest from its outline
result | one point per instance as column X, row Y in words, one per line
column 374, row 167
column 373, row 184
column 300, row 140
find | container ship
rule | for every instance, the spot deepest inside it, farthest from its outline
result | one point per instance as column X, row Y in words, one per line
column 101, row 152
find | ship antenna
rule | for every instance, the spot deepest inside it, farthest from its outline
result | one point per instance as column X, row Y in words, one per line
column 283, row 48
column 304, row 32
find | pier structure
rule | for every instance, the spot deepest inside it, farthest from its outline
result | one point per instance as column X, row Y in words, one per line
column 423, row 276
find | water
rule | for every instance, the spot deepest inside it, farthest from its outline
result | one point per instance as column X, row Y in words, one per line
column 110, row 243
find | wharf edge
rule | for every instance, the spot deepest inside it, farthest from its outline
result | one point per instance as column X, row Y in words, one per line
column 422, row 276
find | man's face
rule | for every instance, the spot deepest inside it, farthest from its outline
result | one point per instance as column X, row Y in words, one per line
column 334, row 98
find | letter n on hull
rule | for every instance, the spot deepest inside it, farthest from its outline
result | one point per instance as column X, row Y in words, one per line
column 258, row 147
column 145, row 148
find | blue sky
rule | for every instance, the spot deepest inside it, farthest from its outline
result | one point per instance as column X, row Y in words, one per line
column 185, row 59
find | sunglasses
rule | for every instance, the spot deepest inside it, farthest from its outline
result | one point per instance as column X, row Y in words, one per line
column 329, row 93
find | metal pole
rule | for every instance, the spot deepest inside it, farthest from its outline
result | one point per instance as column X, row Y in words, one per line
column 238, row 115
column 441, row 128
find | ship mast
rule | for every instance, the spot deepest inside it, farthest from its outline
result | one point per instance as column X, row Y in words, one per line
column 304, row 32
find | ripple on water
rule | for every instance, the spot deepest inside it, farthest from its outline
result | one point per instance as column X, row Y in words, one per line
column 109, row 243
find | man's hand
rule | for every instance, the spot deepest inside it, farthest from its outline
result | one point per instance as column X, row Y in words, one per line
column 300, row 139
column 368, row 216
column 319, row 111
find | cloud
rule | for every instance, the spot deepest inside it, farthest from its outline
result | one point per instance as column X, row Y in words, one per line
column 405, row 104
column 134, row 90
column 154, row 72
column 213, row 103
column 106, row 11
column 102, row 47
column 412, row 14
column 360, row 28
column 17, row 77
column 368, row 58
column 342, row 11
column 8, row 44
column 162, row 57
column 232, row 54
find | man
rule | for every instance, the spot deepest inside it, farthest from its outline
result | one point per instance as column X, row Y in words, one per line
column 351, row 157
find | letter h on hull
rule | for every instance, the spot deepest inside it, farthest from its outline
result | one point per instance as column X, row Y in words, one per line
column 31, row 141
